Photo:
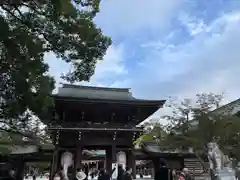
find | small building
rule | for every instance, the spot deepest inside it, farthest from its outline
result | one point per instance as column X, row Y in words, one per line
column 17, row 150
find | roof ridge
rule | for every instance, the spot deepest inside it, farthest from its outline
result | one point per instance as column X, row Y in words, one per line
column 96, row 88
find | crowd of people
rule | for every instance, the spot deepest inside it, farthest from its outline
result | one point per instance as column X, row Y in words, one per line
column 162, row 173
column 102, row 174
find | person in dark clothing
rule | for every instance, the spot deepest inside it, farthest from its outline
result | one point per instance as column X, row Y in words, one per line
column 185, row 175
column 61, row 173
column 11, row 175
column 121, row 172
column 163, row 173
column 34, row 173
column 141, row 173
column 128, row 174
column 237, row 172
column 86, row 171
column 103, row 175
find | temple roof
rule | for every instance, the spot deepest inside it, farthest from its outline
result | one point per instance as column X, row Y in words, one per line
column 153, row 148
column 91, row 92
column 76, row 92
column 231, row 108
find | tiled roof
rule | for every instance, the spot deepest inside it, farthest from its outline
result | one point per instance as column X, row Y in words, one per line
column 100, row 93
column 95, row 92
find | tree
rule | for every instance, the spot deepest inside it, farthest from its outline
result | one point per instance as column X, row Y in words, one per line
column 31, row 28
column 179, row 124
column 153, row 131
column 193, row 123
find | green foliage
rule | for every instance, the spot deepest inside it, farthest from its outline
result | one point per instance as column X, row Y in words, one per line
column 144, row 137
column 29, row 29
column 152, row 132
column 193, row 123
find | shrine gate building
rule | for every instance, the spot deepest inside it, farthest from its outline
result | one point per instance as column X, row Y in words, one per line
column 97, row 118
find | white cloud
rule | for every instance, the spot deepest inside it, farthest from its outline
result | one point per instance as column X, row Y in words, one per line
column 57, row 67
column 210, row 62
column 112, row 65
column 127, row 17
column 193, row 25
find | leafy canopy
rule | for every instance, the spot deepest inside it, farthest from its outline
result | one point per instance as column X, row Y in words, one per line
column 194, row 123
column 31, row 28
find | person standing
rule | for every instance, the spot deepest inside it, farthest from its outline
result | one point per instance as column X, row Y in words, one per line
column 174, row 174
column 128, row 174
column 56, row 176
column 34, row 174
column 237, row 172
column 163, row 173
column 102, row 175
column 11, row 175
column 185, row 175
column 120, row 172
column 80, row 174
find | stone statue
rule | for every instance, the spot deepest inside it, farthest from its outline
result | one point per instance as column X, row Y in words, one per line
column 219, row 164
column 66, row 162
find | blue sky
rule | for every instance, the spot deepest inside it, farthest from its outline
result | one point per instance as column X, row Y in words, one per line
column 168, row 48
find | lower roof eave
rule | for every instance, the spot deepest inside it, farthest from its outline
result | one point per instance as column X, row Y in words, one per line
column 96, row 129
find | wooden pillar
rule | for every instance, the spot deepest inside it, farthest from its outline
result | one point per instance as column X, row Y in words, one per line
column 54, row 162
column 108, row 163
column 110, row 157
column 152, row 170
column 20, row 168
column 114, row 152
column 182, row 164
column 78, row 157
column 131, row 161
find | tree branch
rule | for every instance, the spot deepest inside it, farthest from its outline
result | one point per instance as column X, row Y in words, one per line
column 12, row 14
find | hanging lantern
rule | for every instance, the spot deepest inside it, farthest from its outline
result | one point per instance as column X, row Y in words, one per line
column 57, row 137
